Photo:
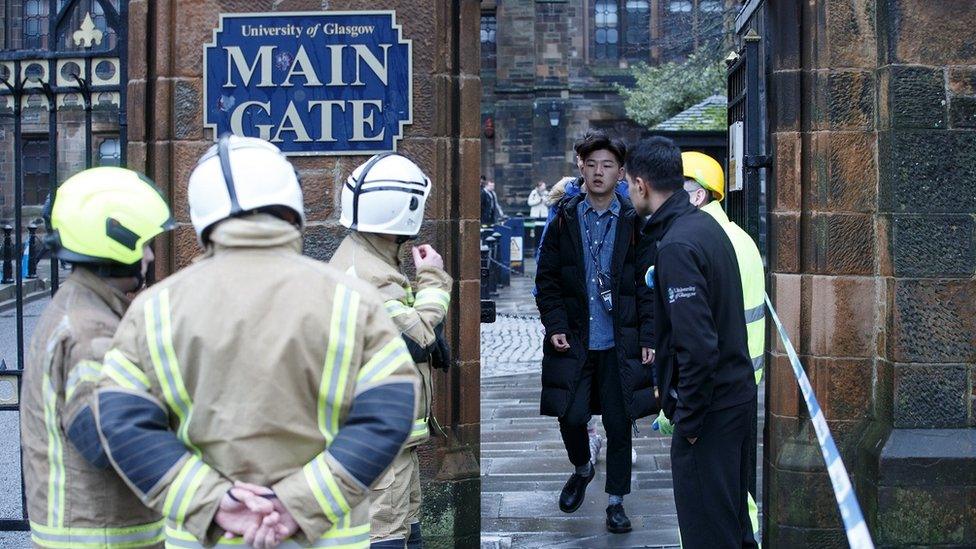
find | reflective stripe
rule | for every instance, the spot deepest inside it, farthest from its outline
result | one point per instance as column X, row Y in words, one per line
column 93, row 538
column 55, row 450
column 85, row 370
column 356, row 537
column 338, row 360
column 420, row 429
column 184, row 487
column 409, row 291
column 756, row 313
column 394, row 308
column 338, row 356
column 124, row 372
column 159, row 338
column 754, row 519
column 435, row 296
column 55, row 455
column 325, row 489
column 757, row 363
column 393, row 355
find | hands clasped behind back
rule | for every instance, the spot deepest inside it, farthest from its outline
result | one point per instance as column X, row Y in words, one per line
column 256, row 514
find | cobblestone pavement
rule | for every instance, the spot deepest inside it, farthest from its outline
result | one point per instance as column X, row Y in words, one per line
column 513, row 343
column 524, row 464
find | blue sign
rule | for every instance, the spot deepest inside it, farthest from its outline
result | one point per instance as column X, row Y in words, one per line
column 323, row 83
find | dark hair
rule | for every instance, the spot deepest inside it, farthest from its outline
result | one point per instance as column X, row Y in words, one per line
column 597, row 140
column 656, row 160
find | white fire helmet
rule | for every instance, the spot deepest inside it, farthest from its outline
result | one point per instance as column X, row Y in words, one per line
column 239, row 176
column 385, row 195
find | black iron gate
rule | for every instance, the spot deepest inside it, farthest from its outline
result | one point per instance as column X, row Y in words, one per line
column 748, row 138
column 747, row 126
column 63, row 77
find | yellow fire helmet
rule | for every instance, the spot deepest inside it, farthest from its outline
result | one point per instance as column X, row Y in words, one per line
column 104, row 217
column 706, row 171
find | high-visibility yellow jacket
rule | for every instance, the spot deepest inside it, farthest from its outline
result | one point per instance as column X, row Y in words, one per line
column 753, row 284
column 261, row 365
column 72, row 502
column 375, row 260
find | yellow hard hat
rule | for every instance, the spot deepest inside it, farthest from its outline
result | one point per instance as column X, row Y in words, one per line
column 105, row 216
column 706, row 171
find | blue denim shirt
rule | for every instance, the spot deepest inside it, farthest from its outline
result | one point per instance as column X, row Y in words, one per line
column 601, row 323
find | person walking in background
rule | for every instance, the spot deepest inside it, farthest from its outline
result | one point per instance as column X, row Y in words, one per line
column 497, row 206
column 588, row 301
column 538, row 201
column 488, row 213
column 707, row 385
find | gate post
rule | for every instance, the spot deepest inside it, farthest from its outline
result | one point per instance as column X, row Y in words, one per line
column 32, row 244
column 8, row 255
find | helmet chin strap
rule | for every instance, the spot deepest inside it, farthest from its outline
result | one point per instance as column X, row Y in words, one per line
column 140, row 281
column 359, row 185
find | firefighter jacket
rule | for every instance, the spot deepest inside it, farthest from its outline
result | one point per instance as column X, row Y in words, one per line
column 260, row 365
column 375, row 260
column 72, row 502
column 753, row 284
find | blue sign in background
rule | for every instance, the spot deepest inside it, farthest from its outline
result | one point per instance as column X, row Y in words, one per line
column 322, row 83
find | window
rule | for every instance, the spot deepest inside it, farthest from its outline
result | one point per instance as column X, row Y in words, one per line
column 689, row 24
column 638, row 23
column 606, row 37
column 711, row 20
column 37, row 169
column 488, row 50
column 109, row 152
column 710, row 6
column 35, row 24
column 621, row 29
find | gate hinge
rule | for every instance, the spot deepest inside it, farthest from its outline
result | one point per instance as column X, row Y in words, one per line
column 758, row 161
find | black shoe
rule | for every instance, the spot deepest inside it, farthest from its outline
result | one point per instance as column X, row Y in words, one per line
column 574, row 492
column 617, row 521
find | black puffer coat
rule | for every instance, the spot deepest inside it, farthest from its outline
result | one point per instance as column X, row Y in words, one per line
column 562, row 300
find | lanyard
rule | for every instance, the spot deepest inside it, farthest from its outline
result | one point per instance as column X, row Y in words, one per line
column 595, row 256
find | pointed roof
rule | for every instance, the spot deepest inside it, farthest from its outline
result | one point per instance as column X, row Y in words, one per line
column 705, row 116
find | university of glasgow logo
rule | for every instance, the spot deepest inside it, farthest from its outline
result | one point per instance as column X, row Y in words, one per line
column 323, row 83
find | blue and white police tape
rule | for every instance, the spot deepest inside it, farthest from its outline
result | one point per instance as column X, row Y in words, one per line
column 857, row 531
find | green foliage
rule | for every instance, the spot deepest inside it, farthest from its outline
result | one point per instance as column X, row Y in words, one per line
column 663, row 91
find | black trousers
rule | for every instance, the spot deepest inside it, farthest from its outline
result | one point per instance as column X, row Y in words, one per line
column 601, row 374
column 711, row 480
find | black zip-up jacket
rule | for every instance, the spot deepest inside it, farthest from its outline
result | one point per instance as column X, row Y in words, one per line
column 563, row 306
column 702, row 351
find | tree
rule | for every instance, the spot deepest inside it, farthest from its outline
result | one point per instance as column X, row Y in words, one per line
column 663, row 91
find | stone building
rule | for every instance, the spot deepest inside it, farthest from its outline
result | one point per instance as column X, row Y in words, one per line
column 160, row 131
column 872, row 112
column 549, row 68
